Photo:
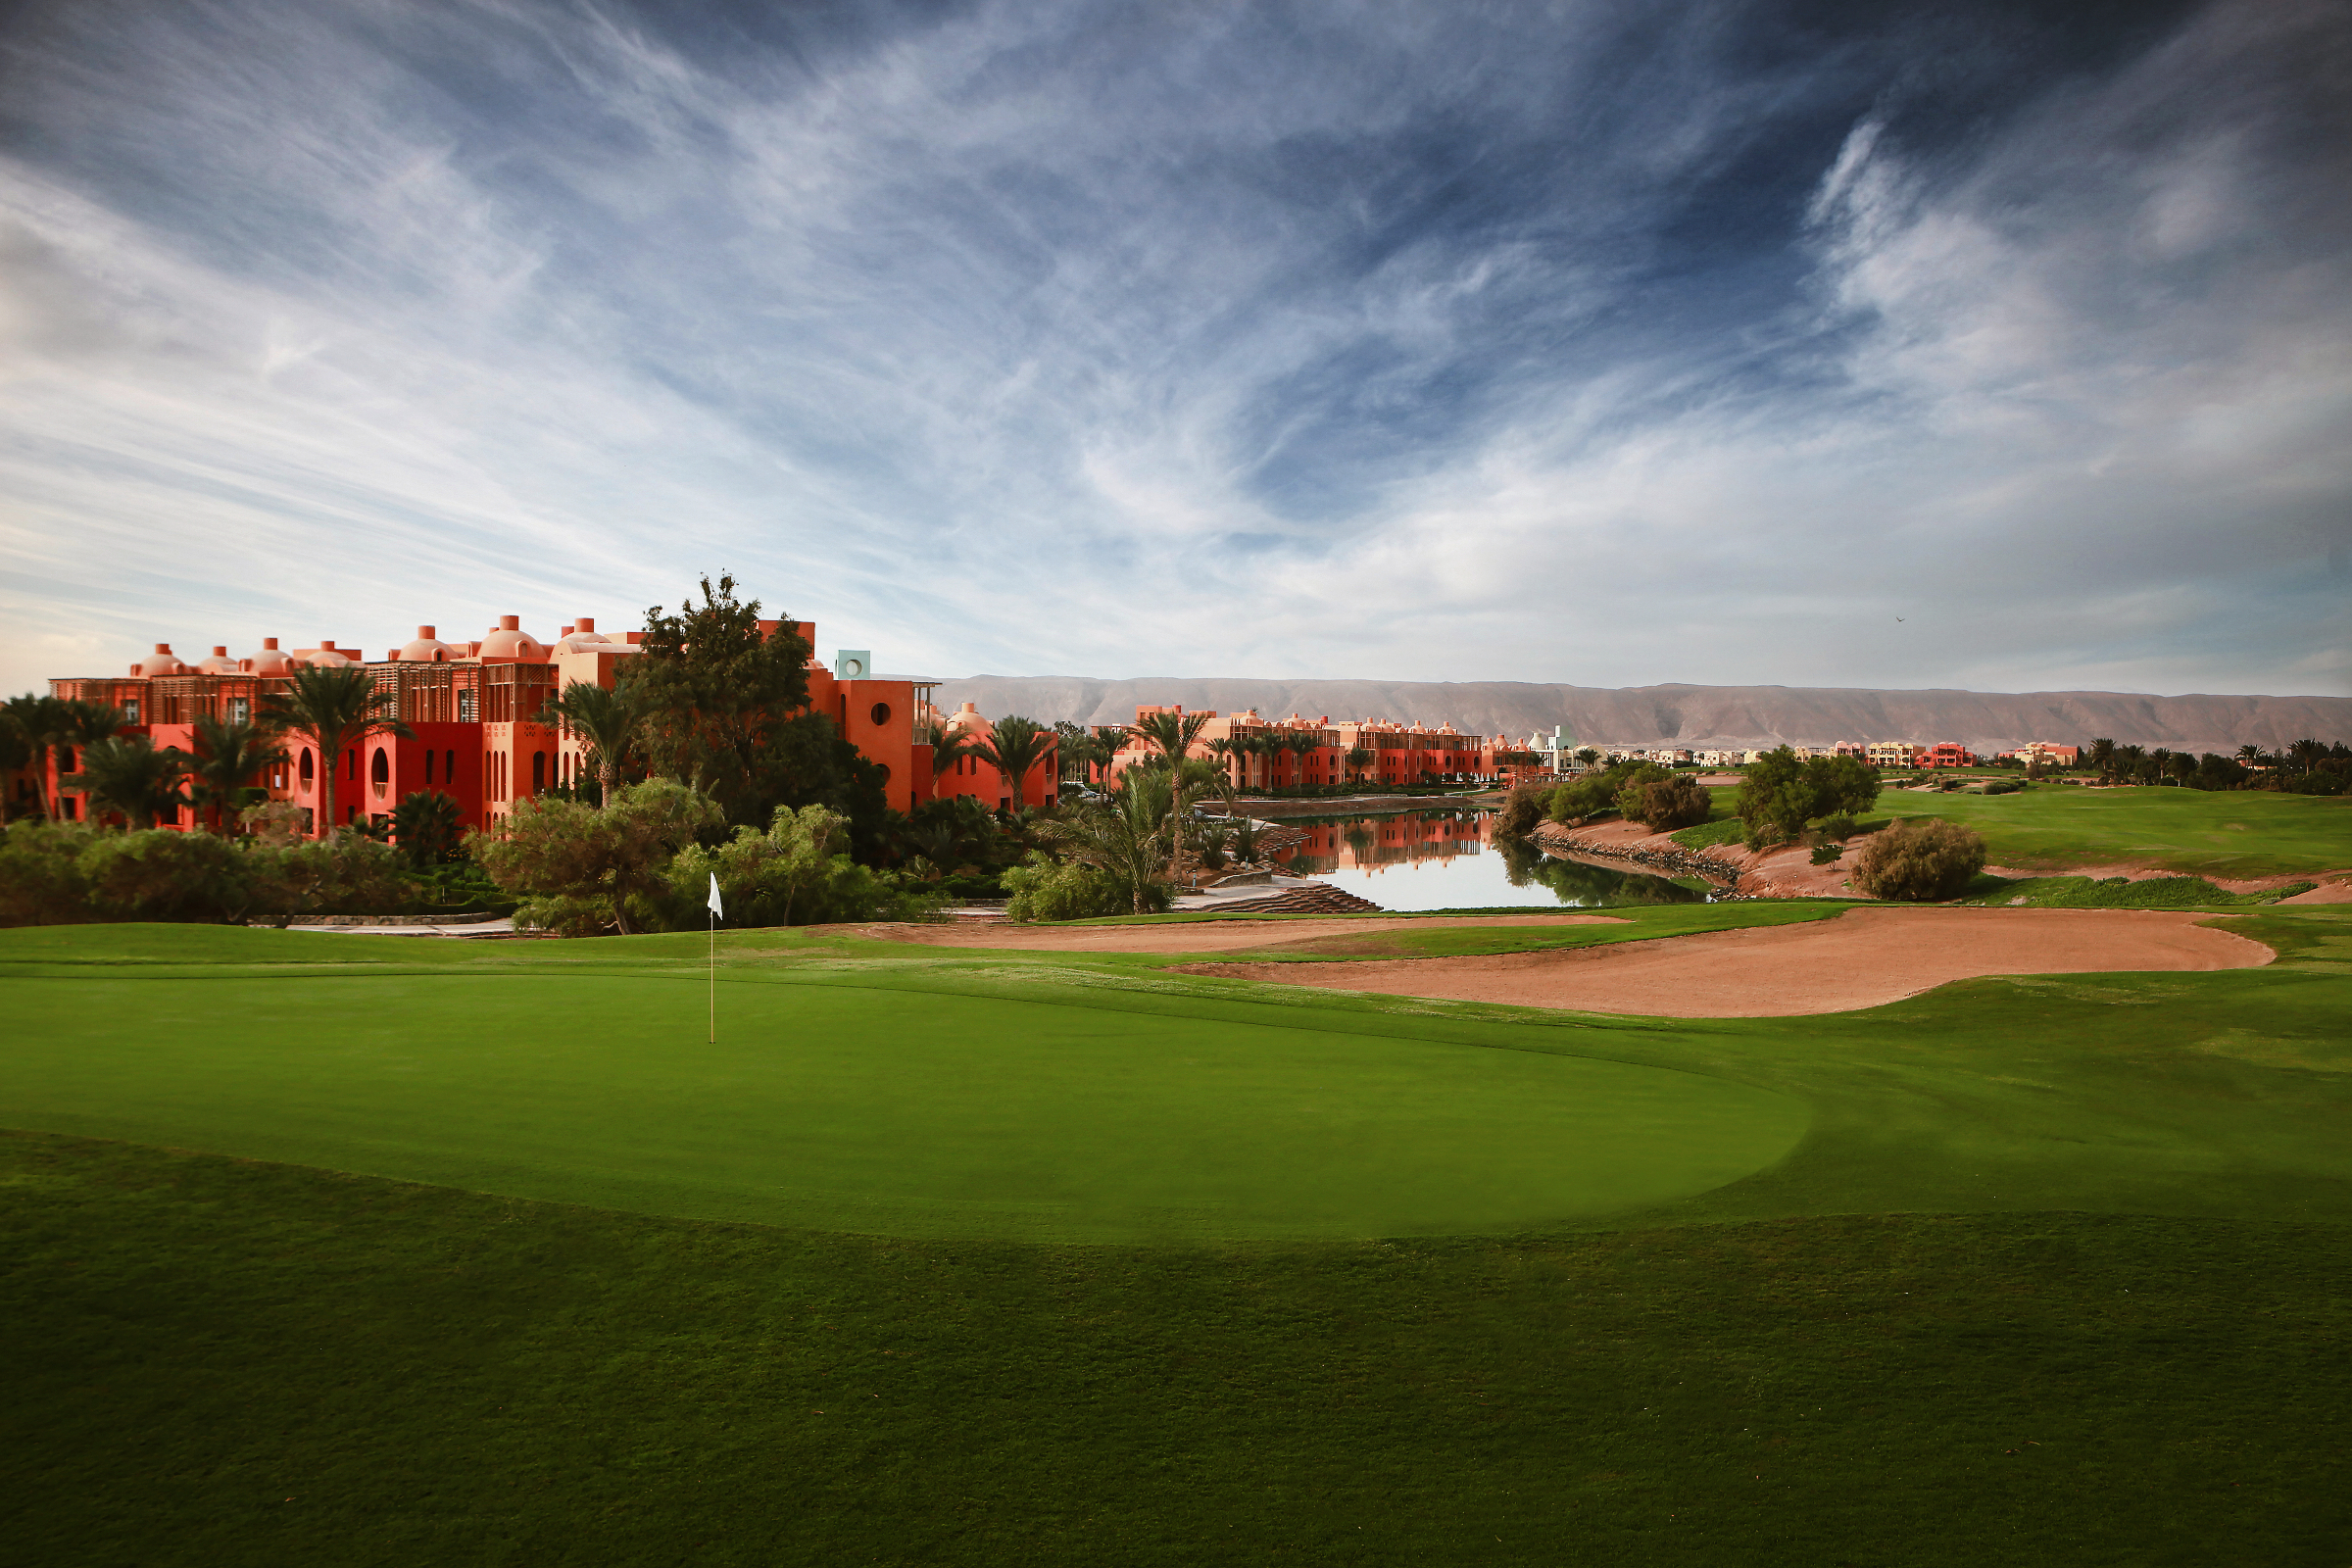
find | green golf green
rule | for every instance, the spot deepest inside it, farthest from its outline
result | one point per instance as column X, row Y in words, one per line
column 882, row 1111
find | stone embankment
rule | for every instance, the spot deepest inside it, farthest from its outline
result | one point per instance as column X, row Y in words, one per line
column 1668, row 859
column 1320, row 898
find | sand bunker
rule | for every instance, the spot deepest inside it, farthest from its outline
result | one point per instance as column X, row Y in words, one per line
column 1201, row 936
column 1862, row 959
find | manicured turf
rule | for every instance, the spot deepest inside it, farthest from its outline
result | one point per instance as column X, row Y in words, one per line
column 856, row 1103
column 2053, row 1275
column 214, row 1364
column 2225, row 833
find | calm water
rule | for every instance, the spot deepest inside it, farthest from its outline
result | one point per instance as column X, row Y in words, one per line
column 1449, row 860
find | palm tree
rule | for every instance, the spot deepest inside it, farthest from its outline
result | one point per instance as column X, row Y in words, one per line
column 1173, row 735
column 83, row 723
column 2101, row 759
column 2249, row 754
column 16, row 749
column 947, row 745
column 2307, row 753
column 46, row 721
column 226, row 755
column 1124, row 835
column 1224, row 751
column 607, row 718
column 338, row 708
column 427, row 824
column 1302, row 745
column 1358, row 759
column 127, row 774
column 1016, row 746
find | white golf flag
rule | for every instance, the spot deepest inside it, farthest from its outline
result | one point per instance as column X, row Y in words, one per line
column 716, row 907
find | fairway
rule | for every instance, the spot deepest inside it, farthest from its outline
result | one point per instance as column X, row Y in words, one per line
column 2231, row 833
column 889, row 1111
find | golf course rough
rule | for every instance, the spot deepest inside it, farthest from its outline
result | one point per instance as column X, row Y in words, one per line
column 844, row 1107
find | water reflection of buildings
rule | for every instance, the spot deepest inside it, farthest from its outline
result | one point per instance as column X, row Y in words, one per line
column 1378, row 843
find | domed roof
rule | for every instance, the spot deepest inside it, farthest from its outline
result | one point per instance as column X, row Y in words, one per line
column 220, row 664
column 326, row 655
column 507, row 640
column 427, row 649
column 582, row 634
column 271, row 661
column 163, row 661
column 967, row 722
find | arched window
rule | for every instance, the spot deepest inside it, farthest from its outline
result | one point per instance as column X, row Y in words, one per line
column 428, row 765
column 380, row 770
column 308, row 765
column 449, row 771
column 538, row 772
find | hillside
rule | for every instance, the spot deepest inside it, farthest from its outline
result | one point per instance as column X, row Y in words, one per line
column 1699, row 715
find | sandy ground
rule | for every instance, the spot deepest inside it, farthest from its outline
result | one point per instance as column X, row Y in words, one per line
column 1198, row 935
column 1862, row 959
column 2324, row 893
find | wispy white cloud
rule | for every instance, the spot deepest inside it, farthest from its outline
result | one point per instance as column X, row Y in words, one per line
column 1077, row 338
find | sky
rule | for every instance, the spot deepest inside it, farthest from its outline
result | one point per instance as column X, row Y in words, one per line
column 1904, row 345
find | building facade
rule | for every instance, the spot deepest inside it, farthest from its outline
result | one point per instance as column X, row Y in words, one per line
column 1370, row 751
column 474, row 708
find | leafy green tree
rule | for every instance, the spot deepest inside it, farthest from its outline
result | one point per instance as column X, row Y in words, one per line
column 338, row 707
column 1779, row 793
column 429, row 826
column 1665, row 805
column 578, row 869
column 607, row 718
column 1015, row 748
column 2100, row 759
column 227, row 755
column 128, row 773
column 727, row 713
column 1919, row 859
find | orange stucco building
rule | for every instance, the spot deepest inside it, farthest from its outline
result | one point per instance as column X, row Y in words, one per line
column 969, row 775
column 1397, row 752
column 473, row 705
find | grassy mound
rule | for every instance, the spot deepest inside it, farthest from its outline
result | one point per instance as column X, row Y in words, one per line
column 2119, row 893
column 219, row 1362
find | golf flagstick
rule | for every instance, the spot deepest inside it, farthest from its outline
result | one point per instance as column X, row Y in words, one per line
column 717, row 910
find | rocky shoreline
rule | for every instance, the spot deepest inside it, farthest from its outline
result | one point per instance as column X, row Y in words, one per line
column 1673, row 861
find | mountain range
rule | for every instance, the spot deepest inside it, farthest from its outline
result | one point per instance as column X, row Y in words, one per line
column 1695, row 716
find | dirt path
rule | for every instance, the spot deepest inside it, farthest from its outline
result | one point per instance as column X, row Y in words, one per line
column 1198, row 935
column 1862, row 959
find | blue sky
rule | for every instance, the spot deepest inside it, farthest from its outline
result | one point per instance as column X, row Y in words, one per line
column 1605, row 343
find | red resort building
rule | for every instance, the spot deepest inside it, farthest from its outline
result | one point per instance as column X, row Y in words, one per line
column 473, row 704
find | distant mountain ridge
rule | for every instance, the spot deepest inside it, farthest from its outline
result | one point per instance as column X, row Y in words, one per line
column 1698, row 716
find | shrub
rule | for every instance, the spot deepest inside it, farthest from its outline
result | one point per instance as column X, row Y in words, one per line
column 1664, row 804
column 578, row 868
column 1049, row 890
column 161, row 876
column 1919, row 859
column 1825, row 853
column 41, row 882
column 796, row 873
